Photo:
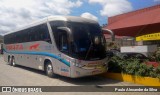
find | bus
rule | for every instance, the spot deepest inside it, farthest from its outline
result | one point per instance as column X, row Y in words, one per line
column 59, row 45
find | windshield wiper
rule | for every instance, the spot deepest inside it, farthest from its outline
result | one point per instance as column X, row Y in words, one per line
column 89, row 50
column 89, row 47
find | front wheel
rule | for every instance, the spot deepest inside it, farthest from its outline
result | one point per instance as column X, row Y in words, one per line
column 49, row 70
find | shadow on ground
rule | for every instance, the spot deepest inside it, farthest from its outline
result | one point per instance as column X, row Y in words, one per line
column 89, row 80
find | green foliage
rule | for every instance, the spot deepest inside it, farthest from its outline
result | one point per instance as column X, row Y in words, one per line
column 113, row 66
column 158, row 57
column 155, row 56
column 157, row 71
column 142, row 70
column 133, row 67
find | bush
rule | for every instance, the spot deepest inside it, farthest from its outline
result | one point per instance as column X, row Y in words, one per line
column 142, row 70
column 133, row 67
column 158, row 57
column 113, row 66
column 157, row 71
column 155, row 56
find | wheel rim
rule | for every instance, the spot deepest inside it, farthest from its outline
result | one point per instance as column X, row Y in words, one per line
column 10, row 61
column 49, row 69
column 13, row 62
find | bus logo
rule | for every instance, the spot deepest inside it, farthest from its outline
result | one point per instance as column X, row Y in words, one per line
column 34, row 47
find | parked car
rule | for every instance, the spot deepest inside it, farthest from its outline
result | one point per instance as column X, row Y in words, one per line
column 113, row 52
column 138, row 56
column 117, row 53
column 142, row 58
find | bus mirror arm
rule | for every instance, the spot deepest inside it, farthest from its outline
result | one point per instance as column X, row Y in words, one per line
column 110, row 32
column 67, row 30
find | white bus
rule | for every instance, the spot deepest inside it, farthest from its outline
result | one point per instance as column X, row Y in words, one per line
column 64, row 45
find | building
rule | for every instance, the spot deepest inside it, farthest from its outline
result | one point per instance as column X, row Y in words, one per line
column 140, row 27
column 1, row 39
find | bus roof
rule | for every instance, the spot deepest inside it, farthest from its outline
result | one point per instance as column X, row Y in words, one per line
column 55, row 18
column 71, row 18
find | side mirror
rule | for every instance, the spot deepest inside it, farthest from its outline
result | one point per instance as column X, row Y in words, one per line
column 110, row 32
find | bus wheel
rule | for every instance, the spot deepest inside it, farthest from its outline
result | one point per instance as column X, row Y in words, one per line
column 13, row 63
column 10, row 61
column 49, row 70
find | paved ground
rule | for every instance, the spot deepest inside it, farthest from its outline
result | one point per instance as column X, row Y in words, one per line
column 22, row 76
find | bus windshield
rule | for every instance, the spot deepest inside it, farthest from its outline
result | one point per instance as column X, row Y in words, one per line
column 84, row 46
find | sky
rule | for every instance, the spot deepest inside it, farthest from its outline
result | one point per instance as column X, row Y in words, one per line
column 18, row 13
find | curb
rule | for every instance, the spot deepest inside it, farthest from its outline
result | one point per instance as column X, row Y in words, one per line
column 147, row 81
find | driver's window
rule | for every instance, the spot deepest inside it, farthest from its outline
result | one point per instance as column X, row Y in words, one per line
column 63, row 42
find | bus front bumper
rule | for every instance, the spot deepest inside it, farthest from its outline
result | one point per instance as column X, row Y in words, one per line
column 81, row 72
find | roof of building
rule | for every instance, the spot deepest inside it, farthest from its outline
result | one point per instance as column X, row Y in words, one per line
column 133, row 23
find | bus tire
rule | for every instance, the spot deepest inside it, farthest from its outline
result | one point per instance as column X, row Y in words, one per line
column 13, row 63
column 49, row 70
column 10, row 61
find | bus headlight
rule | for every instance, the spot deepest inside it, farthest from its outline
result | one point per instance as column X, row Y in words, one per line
column 77, row 65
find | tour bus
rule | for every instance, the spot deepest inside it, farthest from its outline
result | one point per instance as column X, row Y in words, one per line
column 59, row 45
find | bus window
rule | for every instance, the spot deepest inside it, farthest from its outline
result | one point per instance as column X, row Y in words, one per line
column 43, row 33
column 63, row 41
column 54, row 26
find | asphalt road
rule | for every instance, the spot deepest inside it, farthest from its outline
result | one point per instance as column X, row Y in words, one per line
column 23, row 76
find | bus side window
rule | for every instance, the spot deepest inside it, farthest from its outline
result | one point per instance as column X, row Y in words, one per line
column 26, row 35
column 33, row 34
column 43, row 33
column 22, row 36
